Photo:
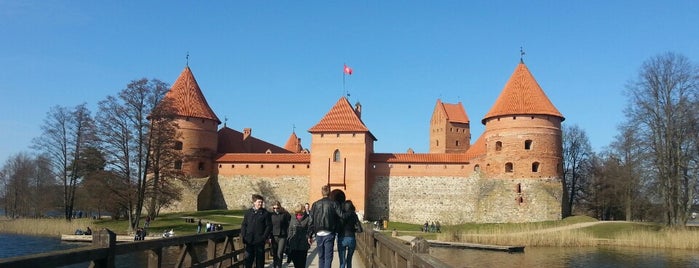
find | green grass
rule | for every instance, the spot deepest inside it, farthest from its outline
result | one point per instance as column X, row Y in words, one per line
column 230, row 219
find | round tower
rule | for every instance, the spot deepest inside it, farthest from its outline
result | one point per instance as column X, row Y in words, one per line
column 523, row 131
column 197, row 126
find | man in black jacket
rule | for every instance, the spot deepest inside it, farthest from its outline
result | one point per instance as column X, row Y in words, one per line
column 325, row 218
column 255, row 230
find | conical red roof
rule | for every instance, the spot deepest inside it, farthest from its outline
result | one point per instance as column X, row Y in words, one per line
column 522, row 95
column 188, row 99
column 340, row 118
column 293, row 144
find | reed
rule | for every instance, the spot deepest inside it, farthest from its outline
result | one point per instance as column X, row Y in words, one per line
column 566, row 238
column 669, row 238
column 43, row 227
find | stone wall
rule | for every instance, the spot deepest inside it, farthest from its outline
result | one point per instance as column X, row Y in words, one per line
column 453, row 200
column 237, row 190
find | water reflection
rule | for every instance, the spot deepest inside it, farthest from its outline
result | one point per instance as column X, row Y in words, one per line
column 569, row 257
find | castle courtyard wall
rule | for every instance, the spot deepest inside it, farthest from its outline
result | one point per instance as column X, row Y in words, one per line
column 454, row 200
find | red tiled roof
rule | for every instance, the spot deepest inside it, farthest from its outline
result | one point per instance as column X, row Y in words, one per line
column 188, row 99
column 419, row 158
column 455, row 112
column 477, row 148
column 522, row 95
column 231, row 141
column 293, row 144
column 264, row 158
column 340, row 118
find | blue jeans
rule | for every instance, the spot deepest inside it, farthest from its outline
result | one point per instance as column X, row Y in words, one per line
column 325, row 245
column 346, row 245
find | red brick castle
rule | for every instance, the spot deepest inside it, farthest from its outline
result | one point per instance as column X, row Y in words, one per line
column 511, row 173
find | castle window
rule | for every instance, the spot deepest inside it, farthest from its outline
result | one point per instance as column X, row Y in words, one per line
column 277, row 166
column 451, row 129
column 201, row 166
column 336, row 156
column 262, row 166
column 535, row 167
column 528, row 145
column 178, row 145
column 498, row 146
column 508, row 167
column 354, row 135
column 437, row 141
column 338, row 135
column 518, row 188
column 409, row 166
column 308, row 166
column 477, row 168
column 247, row 166
column 220, row 166
column 178, row 165
column 520, row 200
column 457, row 143
column 232, row 166
column 293, row 166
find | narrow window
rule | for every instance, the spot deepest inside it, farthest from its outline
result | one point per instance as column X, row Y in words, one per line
column 498, row 146
column 178, row 164
column 437, row 141
column 178, row 145
column 336, row 156
column 518, row 188
column 201, row 166
column 520, row 200
column 508, row 167
column 528, row 145
column 535, row 167
column 457, row 143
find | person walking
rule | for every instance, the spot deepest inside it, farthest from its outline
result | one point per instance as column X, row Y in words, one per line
column 347, row 241
column 199, row 227
column 299, row 236
column 280, row 227
column 255, row 230
column 325, row 217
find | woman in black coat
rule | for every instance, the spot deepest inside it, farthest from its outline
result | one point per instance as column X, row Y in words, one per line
column 298, row 236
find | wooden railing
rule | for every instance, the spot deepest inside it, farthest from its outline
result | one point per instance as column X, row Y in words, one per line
column 222, row 248
column 380, row 251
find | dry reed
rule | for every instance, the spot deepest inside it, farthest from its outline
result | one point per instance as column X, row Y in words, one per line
column 43, row 227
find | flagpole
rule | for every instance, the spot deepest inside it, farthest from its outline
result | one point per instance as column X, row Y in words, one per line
column 344, row 91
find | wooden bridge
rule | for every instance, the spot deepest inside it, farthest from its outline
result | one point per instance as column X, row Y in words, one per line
column 220, row 249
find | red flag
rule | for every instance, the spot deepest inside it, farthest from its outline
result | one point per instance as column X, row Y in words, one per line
column 348, row 70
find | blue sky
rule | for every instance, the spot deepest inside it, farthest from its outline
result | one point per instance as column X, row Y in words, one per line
column 273, row 65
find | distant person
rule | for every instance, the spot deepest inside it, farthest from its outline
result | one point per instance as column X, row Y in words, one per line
column 307, row 209
column 325, row 217
column 299, row 240
column 255, row 229
column 199, row 227
column 351, row 225
column 88, row 231
column 438, row 227
column 280, row 227
column 147, row 222
column 426, row 227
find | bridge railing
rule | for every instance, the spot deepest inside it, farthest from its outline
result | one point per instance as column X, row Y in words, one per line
column 222, row 248
column 380, row 251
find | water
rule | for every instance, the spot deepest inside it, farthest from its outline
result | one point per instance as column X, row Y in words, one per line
column 12, row 245
column 569, row 257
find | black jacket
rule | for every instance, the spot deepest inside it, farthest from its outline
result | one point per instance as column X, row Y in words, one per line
column 280, row 223
column 325, row 216
column 256, row 226
column 350, row 225
column 299, row 232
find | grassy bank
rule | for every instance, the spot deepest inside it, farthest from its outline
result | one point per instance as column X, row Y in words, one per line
column 571, row 232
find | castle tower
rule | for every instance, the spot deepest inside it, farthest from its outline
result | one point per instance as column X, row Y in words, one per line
column 197, row 126
column 523, row 131
column 340, row 146
column 293, row 144
column 450, row 130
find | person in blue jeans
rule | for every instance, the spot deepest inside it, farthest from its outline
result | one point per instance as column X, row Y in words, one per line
column 347, row 239
column 325, row 219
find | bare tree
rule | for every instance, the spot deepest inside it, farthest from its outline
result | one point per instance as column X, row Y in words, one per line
column 126, row 137
column 662, row 107
column 64, row 133
column 577, row 153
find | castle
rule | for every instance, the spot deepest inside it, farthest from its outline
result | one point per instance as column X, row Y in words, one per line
column 511, row 173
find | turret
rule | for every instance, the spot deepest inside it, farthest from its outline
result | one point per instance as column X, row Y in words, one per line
column 523, row 131
column 197, row 125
